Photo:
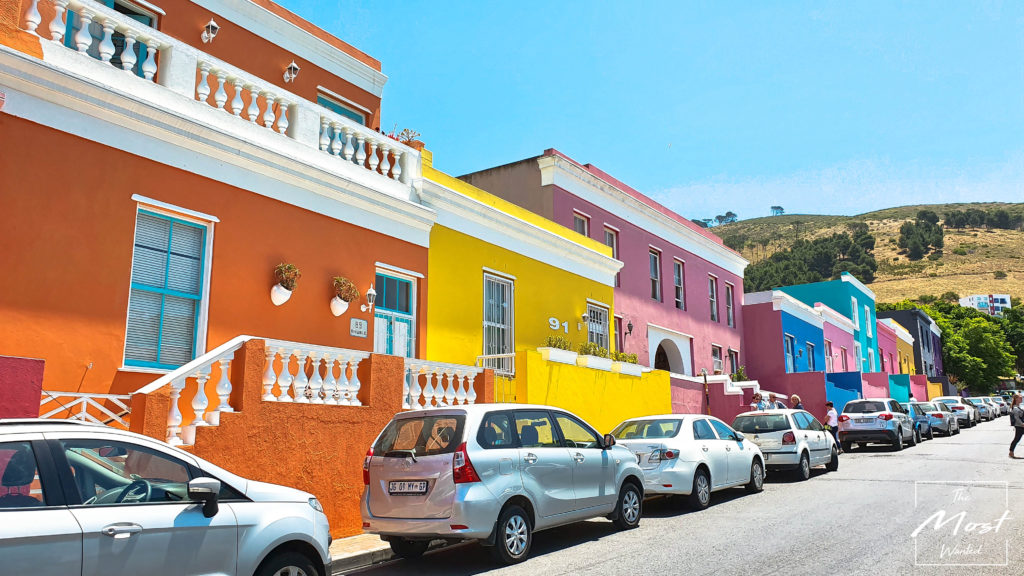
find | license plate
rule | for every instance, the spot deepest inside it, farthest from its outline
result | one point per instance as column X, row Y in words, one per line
column 407, row 487
column 865, row 420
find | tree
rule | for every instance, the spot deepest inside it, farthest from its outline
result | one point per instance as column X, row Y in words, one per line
column 950, row 296
column 928, row 216
column 998, row 219
column 778, row 211
column 1013, row 327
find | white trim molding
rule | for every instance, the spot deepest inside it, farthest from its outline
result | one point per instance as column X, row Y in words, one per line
column 901, row 332
column 835, row 318
column 397, row 270
column 785, row 303
column 574, row 179
column 853, row 281
column 172, row 208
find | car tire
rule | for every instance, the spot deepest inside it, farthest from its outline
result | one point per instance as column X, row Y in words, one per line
column 803, row 469
column 833, row 463
column 847, row 446
column 914, row 438
column 629, row 508
column 700, row 494
column 931, row 433
column 897, row 443
column 756, row 483
column 290, row 563
column 408, row 549
column 514, row 536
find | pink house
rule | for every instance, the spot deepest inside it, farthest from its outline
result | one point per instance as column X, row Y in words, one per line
column 678, row 296
column 839, row 340
column 888, row 352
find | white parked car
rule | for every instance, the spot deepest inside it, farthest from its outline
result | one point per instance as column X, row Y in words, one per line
column 967, row 414
column 790, row 440
column 691, row 455
column 87, row 499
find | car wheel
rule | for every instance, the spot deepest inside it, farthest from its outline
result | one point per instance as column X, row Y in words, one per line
column 756, row 483
column 803, row 469
column 700, row 495
column 897, row 444
column 915, row 438
column 287, row 564
column 931, row 433
column 833, row 464
column 514, row 537
column 631, row 507
column 847, row 446
column 956, row 430
column 408, row 549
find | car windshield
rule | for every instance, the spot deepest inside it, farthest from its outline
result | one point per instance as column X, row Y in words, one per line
column 864, row 407
column 761, row 423
column 647, row 429
column 948, row 401
column 423, row 436
column 927, row 407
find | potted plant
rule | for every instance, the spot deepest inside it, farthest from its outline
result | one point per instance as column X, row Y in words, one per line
column 344, row 292
column 409, row 138
column 626, row 364
column 594, row 356
column 558, row 349
column 287, row 275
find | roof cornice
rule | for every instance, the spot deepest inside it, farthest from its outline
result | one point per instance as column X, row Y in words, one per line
column 834, row 318
column 853, row 281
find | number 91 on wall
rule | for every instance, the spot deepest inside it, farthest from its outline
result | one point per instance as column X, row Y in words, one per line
column 554, row 324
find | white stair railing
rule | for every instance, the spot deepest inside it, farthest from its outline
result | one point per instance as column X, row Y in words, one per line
column 86, row 407
column 435, row 384
column 321, row 375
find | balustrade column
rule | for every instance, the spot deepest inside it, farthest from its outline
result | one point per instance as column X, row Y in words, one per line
column 301, row 382
column 284, row 382
column 460, row 387
column 396, row 168
column 361, row 150
column 325, row 136
column 282, row 121
column 344, row 387
column 354, row 384
column 32, row 17
column 174, row 415
column 330, row 383
column 128, row 58
column 58, row 26
column 236, row 101
column 268, row 113
column 374, row 161
column 428, row 390
column 269, row 377
column 106, row 47
column 316, row 383
column 414, row 387
column 449, row 390
column 203, row 89
column 336, row 145
column 149, row 66
column 224, row 386
column 471, row 392
column 349, row 149
column 83, row 39
column 254, row 105
column 406, row 376
column 221, row 95
column 199, row 401
column 384, row 164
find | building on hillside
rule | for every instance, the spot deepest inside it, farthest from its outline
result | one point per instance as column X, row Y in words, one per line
column 781, row 335
column 852, row 299
column 992, row 304
column 888, row 350
column 904, row 346
column 678, row 296
column 838, row 332
column 924, row 331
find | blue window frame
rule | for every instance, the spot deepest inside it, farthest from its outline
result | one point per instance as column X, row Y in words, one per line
column 394, row 320
column 166, row 291
column 333, row 106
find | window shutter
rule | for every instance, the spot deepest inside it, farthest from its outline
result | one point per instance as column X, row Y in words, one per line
column 142, row 338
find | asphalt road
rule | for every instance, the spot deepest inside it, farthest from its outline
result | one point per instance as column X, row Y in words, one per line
column 858, row 520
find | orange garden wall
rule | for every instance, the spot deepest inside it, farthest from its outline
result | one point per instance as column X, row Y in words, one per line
column 315, row 448
column 67, row 229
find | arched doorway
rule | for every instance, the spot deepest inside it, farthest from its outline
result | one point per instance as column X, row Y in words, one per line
column 667, row 357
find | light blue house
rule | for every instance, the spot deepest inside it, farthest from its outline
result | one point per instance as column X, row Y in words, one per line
column 852, row 299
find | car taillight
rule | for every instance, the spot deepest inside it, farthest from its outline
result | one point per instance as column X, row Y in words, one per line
column 937, row 415
column 462, row 468
column 366, row 466
column 844, row 418
column 958, row 408
column 788, row 438
column 885, row 416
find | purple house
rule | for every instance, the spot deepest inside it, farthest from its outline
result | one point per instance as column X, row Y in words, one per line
column 678, row 296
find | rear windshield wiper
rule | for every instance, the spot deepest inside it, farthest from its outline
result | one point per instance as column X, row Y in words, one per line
column 409, row 453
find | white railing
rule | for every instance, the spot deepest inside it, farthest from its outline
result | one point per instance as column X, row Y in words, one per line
column 86, row 407
column 321, row 375
column 434, row 384
column 176, row 64
column 504, row 366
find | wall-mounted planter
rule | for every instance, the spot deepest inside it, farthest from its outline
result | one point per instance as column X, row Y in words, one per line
column 558, row 355
column 627, row 368
column 338, row 306
column 595, row 362
column 279, row 294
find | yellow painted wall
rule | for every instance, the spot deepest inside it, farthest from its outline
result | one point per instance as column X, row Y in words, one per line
column 601, row 398
column 934, row 390
column 906, row 352
column 455, row 307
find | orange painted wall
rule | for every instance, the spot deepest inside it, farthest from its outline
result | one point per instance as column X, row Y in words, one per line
column 66, row 236
column 235, row 45
column 12, row 18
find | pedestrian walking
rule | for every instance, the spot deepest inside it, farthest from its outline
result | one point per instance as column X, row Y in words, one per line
column 832, row 423
column 795, row 402
column 1017, row 421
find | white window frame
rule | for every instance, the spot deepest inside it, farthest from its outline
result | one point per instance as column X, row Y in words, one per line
column 846, row 359
column 504, row 366
column 679, row 282
column 578, row 216
column 414, row 289
column 730, row 312
column 594, row 328
column 655, row 272
column 789, row 352
column 829, row 361
column 613, row 233
column 856, row 312
column 202, row 323
column 809, row 350
column 733, row 365
column 871, row 359
column 867, row 321
column 717, row 364
column 713, row 297
column 859, row 354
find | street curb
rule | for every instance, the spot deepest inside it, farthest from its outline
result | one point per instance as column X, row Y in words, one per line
column 360, row 561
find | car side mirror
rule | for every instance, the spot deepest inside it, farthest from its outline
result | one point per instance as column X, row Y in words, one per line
column 739, row 437
column 205, row 490
column 608, row 442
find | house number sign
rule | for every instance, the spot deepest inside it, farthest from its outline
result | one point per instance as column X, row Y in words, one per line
column 357, row 328
column 554, row 324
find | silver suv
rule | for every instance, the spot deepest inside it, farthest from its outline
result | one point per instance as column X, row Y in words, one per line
column 875, row 421
column 87, row 499
column 495, row 473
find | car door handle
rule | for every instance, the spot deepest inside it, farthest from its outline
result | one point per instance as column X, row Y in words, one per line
column 530, row 458
column 728, row 448
column 578, row 458
column 121, row 530
column 704, row 448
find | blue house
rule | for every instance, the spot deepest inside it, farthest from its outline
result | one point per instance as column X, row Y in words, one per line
column 781, row 335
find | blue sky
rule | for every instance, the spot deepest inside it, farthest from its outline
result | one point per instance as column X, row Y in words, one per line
column 821, row 107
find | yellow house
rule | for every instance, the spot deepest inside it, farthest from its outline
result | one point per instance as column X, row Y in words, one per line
column 904, row 346
column 502, row 280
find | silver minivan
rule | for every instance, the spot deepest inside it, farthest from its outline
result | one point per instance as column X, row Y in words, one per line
column 494, row 473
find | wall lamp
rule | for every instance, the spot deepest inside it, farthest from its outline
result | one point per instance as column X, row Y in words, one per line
column 629, row 328
column 371, row 297
column 291, row 72
column 210, row 31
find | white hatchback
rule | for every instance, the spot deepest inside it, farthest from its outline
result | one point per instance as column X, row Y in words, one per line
column 790, row 440
column 691, row 455
column 87, row 499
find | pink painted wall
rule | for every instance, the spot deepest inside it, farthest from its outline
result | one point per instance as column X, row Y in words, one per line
column 687, row 397
column 886, row 338
column 21, row 384
column 876, row 385
column 633, row 298
column 809, row 386
column 840, row 338
column 762, row 338
column 727, row 406
column 919, row 387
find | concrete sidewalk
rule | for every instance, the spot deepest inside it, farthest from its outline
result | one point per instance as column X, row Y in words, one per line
column 357, row 552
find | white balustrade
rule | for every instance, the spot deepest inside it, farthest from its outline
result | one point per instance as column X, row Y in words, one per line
column 435, row 384
column 310, row 385
column 355, row 143
column 32, row 17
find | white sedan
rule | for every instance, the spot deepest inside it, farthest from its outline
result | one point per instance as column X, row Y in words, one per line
column 691, row 455
column 791, row 440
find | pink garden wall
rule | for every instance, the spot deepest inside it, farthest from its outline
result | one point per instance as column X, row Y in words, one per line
column 876, row 385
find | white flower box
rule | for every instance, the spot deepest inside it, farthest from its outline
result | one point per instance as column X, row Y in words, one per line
column 627, row 368
column 558, row 355
column 595, row 362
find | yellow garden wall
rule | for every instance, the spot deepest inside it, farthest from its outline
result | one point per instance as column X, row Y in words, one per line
column 601, row 398
column 934, row 390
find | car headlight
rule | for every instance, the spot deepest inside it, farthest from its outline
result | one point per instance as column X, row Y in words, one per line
column 315, row 504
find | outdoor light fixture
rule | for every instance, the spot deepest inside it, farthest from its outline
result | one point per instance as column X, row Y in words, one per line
column 210, row 31
column 371, row 297
column 585, row 317
column 291, row 72
column 629, row 328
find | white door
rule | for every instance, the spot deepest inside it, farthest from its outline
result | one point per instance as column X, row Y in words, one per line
column 817, row 445
column 739, row 458
column 713, row 450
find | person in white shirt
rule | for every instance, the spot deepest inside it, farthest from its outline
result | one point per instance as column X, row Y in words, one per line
column 774, row 403
column 832, row 423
